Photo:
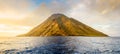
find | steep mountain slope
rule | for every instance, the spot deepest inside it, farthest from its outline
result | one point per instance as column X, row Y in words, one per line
column 61, row 25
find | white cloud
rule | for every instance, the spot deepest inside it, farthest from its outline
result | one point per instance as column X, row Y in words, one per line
column 102, row 15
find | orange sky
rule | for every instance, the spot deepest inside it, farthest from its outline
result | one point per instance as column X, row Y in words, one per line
column 20, row 16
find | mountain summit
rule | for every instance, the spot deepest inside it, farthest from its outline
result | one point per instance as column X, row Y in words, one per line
column 61, row 25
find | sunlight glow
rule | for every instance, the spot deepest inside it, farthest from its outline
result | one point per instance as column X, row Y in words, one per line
column 13, row 30
column 12, row 16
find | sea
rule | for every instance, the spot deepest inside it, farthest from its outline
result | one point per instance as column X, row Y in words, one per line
column 60, row 45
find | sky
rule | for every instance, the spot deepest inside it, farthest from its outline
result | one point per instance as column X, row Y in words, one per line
column 20, row 16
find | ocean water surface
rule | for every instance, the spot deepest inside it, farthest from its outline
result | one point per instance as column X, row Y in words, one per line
column 59, row 45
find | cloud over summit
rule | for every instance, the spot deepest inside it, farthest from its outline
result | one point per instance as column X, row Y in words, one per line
column 102, row 15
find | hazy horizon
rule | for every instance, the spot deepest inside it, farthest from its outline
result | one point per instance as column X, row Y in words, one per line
column 20, row 16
